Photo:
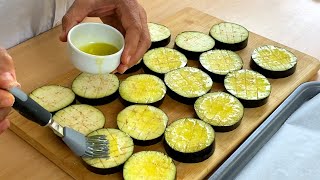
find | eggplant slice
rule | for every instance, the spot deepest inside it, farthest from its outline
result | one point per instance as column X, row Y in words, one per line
column 53, row 97
column 80, row 117
column 273, row 62
column 187, row 84
column 96, row 89
column 193, row 43
column 229, row 36
column 142, row 89
column 189, row 140
column 250, row 87
column 160, row 35
column 218, row 63
column 145, row 124
column 223, row 111
column 159, row 61
column 149, row 165
column 120, row 149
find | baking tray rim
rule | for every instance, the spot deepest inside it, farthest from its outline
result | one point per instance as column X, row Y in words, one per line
column 259, row 137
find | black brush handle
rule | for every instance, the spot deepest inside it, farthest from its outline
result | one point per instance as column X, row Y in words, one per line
column 28, row 108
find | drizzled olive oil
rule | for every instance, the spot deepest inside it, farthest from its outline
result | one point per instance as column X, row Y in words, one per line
column 99, row 48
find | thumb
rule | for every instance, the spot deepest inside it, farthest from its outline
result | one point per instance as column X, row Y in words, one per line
column 7, row 81
column 76, row 13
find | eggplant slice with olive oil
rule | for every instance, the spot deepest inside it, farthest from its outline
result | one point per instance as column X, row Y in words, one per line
column 229, row 36
column 80, row 117
column 250, row 87
column 120, row 147
column 149, row 165
column 53, row 97
column 273, row 62
column 193, row 43
column 142, row 89
column 218, row 63
column 222, row 110
column 186, row 84
column 160, row 35
column 189, row 140
column 96, row 89
column 159, row 61
column 143, row 123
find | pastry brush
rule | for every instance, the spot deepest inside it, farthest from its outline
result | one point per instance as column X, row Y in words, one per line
column 92, row 146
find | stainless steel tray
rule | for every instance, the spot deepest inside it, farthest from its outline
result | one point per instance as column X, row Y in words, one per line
column 248, row 149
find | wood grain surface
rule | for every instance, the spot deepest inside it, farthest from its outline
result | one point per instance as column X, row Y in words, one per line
column 53, row 148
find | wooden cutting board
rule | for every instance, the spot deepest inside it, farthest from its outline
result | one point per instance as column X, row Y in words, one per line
column 54, row 149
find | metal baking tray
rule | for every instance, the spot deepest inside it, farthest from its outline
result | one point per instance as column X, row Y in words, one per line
column 248, row 149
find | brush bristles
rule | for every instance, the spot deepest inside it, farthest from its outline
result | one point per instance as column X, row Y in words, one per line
column 97, row 147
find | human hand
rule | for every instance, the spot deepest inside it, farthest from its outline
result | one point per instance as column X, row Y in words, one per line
column 7, row 81
column 126, row 15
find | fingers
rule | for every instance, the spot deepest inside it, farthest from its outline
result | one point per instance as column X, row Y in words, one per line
column 122, row 68
column 132, row 38
column 6, row 99
column 5, row 124
column 125, row 15
column 103, row 10
column 114, row 71
column 76, row 13
column 143, row 46
column 128, row 13
column 7, row 80
column 83, row 8
column 144, row 42
column 4, row 113
column 7, row 72
column 113, row 21
column 132, row 56
column 6, row 62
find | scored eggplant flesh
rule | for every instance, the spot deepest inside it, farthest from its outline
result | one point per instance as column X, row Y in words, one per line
column 274, row 58
column 229, row 36
column 162, row 60
column 189, row 135
column 221, row 61
column 229, row 32
column 142, row 89
column 80, row 117
column 149, row 165
column 120, row 147
column 189, row 140
column 188, row 82
column 194, row 41
column 53, row 97
column 96, row 89
column 273, row 62
column 250, row 87
column 222, row 110
column 143, row 123
column 158, row 32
